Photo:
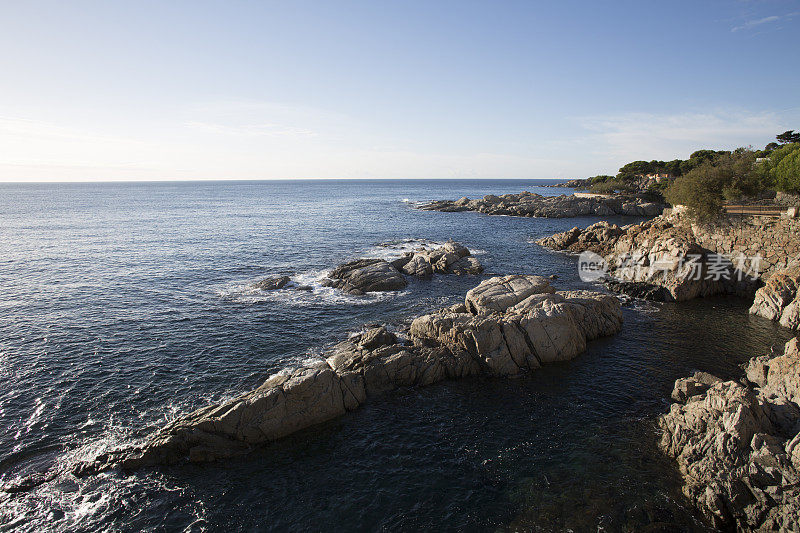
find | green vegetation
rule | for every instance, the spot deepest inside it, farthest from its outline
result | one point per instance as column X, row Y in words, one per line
column 630, row 178
column 784, row 168
column 711, row 178
column 723, row 177
column 707, row 187
column 788, row 137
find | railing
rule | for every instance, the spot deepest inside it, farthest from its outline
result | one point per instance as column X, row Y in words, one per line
column 757, row 210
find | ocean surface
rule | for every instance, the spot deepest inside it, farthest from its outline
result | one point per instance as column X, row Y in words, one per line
column 125, row 305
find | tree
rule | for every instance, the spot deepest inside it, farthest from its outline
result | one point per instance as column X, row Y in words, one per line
column 788, row 137
column 715, row 181
column 787, row 172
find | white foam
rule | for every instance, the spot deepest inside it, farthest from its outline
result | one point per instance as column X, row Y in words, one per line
column 247, row 292
column 314, row 292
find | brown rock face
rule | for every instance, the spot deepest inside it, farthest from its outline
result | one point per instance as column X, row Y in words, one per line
column 520, row 322
column 657, row 259
column 779, row 298
column 737, row 446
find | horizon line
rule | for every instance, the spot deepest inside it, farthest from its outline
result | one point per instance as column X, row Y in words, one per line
column 201, row 180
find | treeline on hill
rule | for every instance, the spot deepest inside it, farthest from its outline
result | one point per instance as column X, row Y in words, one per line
column 711, row 178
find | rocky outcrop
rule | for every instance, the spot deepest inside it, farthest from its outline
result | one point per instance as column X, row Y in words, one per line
column 378, row 275
column 573, row 184
column 528, row 204
column 512, row 324
column 779, row 298
column 658, row 259
column 273, row 284
column 366, row 275
column 506, row 326
column 450, row 258
column 766, row 244
column 737, row 445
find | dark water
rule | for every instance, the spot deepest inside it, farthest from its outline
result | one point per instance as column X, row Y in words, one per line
column 123, row 305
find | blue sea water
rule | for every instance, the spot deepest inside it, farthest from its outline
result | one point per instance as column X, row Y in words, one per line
column 123, row 305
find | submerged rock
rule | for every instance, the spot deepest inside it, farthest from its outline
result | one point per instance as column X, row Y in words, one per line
column 779, row 298
column 737, row 444
column 528, row 204
column 272, row 284
column 507, row 326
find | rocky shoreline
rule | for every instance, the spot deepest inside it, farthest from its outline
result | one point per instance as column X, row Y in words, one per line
column 662, row 260
column 527, row 204
column 737, row 444
column 658, row 259
column 505, row 326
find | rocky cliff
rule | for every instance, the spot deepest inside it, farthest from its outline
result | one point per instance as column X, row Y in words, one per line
column 737, row 444
column 658, row 259
column 779, row 298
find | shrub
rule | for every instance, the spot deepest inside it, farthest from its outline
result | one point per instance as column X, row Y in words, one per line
column 715, row 181
column 604, row 187
column 787, row 172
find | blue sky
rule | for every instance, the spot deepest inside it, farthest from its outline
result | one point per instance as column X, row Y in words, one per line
column 261, row 90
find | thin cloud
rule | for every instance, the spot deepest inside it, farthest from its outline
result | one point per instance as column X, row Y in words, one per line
column 253, row 130
column 753, row 23
column 667, row 136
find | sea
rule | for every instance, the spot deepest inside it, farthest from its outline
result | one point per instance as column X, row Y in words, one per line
column 125, row 305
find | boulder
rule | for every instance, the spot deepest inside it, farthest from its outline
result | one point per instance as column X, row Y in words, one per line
column 512, row 324
column 449, row 258
column 366, row 275
column 499, row 293
column 271, row 284
column 417, row 266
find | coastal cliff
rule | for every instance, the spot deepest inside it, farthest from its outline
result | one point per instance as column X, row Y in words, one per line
column 779, row 298
column 659, row 259
column 672, row 258
column 737, row 444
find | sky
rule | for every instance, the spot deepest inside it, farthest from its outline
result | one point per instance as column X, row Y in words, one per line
column 180, row 90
